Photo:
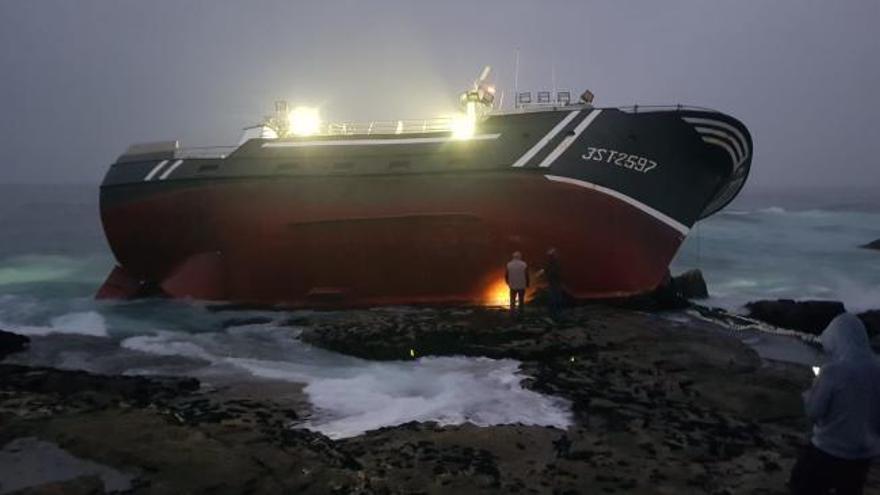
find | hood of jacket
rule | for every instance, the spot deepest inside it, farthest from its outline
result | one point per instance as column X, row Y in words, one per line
column 846, row 339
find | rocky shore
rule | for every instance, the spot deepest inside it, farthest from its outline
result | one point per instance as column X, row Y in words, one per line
column 872, row 245
column 659, row 405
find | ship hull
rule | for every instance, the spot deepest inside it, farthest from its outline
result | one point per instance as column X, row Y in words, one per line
column 426, row 236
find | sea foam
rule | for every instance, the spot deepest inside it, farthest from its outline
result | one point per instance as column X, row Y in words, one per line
column 352, row 396
column 447, row 390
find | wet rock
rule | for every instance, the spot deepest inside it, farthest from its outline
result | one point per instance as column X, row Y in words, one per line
column 691, row 285
column 541, row 297
column 672, row 293
column 67, row 383
column 871, row 319
column 805, row 316
column 656, row 404
column 83, row 485
column 11, row 342
column 872, row 245
column 562, row 446
column 483, row 332
column 665, row 297
column 240, row 322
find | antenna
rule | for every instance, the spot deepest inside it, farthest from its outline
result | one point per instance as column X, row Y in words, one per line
column 483, row 76
column 553, row 75
column 516, row 74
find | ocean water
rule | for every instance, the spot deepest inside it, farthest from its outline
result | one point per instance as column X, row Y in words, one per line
column 777, row 244
column 53, row 257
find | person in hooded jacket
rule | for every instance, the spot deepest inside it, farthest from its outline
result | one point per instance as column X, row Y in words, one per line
column 844, row 406
column 553, row 274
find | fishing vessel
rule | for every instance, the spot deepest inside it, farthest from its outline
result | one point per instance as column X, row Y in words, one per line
column 310, row 213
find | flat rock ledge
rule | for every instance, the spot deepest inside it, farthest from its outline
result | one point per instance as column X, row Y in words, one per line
column 660, row 405
column 810, row 317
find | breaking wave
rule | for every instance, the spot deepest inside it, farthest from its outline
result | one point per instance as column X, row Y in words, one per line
column 351, row 396
column 88, row 323
column 791, row 254
column 447, row 390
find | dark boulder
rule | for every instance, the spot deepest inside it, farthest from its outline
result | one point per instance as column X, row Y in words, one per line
column 665, row 297
column 873, row 245
column 805, row 316
column 691, row 285
column 12, row 342
column 871, row 319
column 672, row 293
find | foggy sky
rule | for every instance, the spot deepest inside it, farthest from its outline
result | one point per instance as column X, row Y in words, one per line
column 81, row 80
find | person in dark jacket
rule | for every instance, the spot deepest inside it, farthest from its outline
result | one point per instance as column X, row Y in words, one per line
column 553, row 275
column 844, row 406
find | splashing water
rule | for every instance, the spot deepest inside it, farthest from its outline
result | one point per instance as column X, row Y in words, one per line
column 773, row 253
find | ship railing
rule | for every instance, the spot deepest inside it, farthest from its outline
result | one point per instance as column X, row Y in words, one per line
column 663, row 108
column 409, row 126
column 525, row 107
column 204, row 152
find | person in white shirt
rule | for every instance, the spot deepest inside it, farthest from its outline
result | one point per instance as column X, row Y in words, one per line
column 844, row 406
column 517, row 278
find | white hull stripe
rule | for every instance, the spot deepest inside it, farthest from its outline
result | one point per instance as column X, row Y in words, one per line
column 683, row 230
column 723, row 125
column 170, row 169
column 708, row 131
column 546, row 139
column 155, row 170
column 727, row 148
column 568, row 140
column 376, row 142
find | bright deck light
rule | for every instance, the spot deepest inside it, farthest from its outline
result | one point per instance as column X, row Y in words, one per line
column 304, row 121
column 465, row 125
column 267, row 132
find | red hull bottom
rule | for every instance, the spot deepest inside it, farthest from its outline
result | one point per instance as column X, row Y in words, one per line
column 427, row 239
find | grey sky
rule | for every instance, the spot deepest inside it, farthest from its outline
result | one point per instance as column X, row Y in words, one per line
column 83, row 79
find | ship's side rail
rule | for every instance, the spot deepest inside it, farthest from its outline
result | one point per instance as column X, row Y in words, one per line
column 204, row 152
column 663, row 108
column 409, row 126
